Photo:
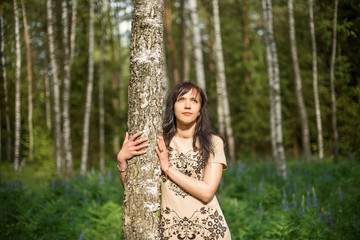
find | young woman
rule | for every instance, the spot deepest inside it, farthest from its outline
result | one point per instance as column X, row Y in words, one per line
column 192, row 160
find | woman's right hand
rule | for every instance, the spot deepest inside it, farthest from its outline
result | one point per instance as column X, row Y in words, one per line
column 131, row 147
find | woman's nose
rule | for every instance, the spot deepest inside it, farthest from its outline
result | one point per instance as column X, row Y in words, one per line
column 187, row 104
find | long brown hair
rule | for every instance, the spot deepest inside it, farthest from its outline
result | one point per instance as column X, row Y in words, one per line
column 202, row 128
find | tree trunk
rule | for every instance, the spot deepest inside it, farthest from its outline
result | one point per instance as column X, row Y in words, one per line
column 66, row 93
column 85, row 144
column 165, row 82
column 332, row 87
column 47, row 94
column 199, row 65
column 274, row 91
column 72, row 31
column 183, row 40
column 6, row 94
column 56, row 86
column 315, row 82
column 221, row 80
column 101, row 97
column 298, row 86
column 17, row 89
column 246, row 41
column 29, row 78
column 171, row 50
column 141, row 200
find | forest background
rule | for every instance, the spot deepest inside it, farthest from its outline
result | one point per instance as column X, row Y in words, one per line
column 245, row 68
column 254, row 191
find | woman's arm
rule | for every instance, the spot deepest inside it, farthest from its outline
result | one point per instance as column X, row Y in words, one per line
column 203, row 190
column 130, row 148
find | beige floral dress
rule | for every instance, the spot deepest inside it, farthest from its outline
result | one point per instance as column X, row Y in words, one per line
column 182, row 215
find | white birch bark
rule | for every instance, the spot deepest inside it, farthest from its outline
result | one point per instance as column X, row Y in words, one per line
column 29, row 78
column 17, row 90
column 66, row 92
column 6, row 94
column 332, row 86
column 298, row 85
column 274, row 91
column 315, row 81
column 56, row 86
column 72, row 31
column 199, row 65
column 85, row 144
column 221, row 80
column 101, row 97
column 47, row 94
column 142, row 182
column 165, row 82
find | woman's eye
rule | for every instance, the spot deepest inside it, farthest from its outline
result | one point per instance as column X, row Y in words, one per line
column 195, row 101
column 180, row 99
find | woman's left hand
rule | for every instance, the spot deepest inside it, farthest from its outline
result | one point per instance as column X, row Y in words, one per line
column 162, row 154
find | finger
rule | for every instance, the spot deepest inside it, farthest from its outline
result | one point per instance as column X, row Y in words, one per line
column 162, row 142
column 126, row 137
column 137, row 142
column 140, row 147
column 135, row 136
column 139, row 153
column 157, row 151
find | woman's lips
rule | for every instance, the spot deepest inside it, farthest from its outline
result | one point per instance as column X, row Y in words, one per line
column 187, row 113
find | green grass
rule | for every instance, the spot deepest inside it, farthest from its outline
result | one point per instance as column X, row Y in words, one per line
column 40, row 204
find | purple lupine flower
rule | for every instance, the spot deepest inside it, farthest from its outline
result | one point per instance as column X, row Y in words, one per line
column 302, row 210
column 109, row 176
column 82, row 235
column 98, row 201
column 308, row 200
column 323, row 218
column 101, row 179
column 55, row 183
column 268, row 170
column 251, row 189
column 259, row 212
column 330, row 221
column 221, row 182
column 295, row 191
column 314, row 199
column 261, row 188
column 284, row 193
column 84, row 197
column 64, row 181
column 293, row 206
column 340, row 194
column 285, row 205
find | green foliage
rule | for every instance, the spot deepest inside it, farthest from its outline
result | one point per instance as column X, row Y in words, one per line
column 316, row 201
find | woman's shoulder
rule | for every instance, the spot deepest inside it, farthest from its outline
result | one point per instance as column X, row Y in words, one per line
column 216, row 139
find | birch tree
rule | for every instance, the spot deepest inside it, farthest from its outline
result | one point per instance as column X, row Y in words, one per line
column 17, row 89
column 223, row 101
column 332, row 86
column 141, row 199
column 184, row 72
column 56, row 86
column 298, row 85
column 199, row 65
column 85, row 144
column 29, row 78
column 66, row 92
column 6, row 94
column 315, row 81
column 274, row 91
column 101, row 95
column 47, row 94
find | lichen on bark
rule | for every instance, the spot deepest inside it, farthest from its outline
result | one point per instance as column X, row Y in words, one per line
column 142, row 185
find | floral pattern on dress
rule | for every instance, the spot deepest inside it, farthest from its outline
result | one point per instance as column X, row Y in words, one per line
column 188, row 163
column 205, row 223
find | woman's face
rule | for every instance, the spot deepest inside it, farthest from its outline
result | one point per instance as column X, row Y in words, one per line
column 187, row 108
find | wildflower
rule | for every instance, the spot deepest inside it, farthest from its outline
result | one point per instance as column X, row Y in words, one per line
column 293, row 202
column 330, row 221
column 221, row 182
column 98, row 201
column 261, row 188
column 340, row 194
column 259, row 212
column 323, row 218
column 295, row 191
column 82, row 235
column 101, row 179
column 302, row 210
column 314, row 200
column 308, row 202
column 109, row 176
column 55, row 183
column 285, row 205
column 268, row 170
column 84, row 197
column 251, row 189
column 284, row 193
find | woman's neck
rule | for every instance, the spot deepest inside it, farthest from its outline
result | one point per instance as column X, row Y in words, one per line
column 185, row 131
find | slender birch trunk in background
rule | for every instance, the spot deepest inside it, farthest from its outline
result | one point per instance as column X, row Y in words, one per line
column 315, row 81
column 142, row 183
column 6, row 94
column 274, row 91
column 199, row 65
column 221, row 80
column 29, row 78
column 47, row 94
column 332, row 87
column 66, row 93
column 101, row 96
column 17, row 90
column 184, row 72
column 246, row 40
column 298, row 86
column 85, row 144
column 56, row 86
column 171, row 49
column 165, row 82
column 72, row 31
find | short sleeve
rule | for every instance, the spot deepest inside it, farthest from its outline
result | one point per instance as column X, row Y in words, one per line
column 219, row 155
